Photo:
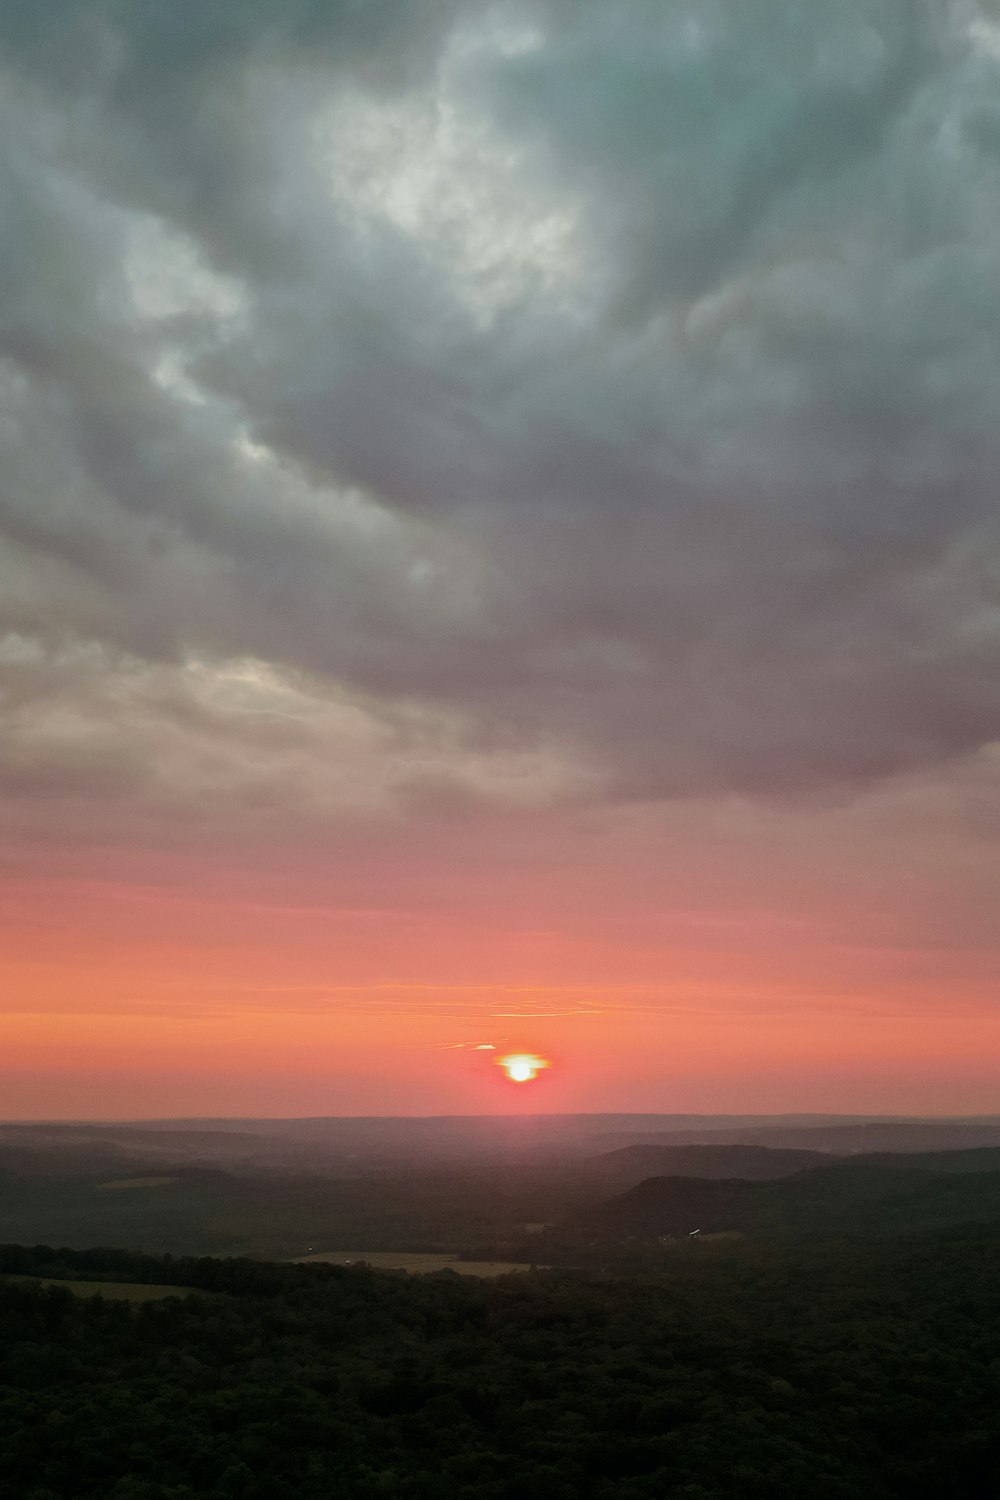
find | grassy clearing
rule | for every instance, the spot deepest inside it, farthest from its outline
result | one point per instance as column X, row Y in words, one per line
column 118, row 1291
column 416, row 1264
column 134, row 1182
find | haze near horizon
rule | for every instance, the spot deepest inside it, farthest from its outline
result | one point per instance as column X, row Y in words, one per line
column 499, row 558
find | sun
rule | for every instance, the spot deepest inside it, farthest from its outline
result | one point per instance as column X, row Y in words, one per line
column 523, row 1067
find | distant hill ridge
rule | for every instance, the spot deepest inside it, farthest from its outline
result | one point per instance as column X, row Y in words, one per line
column 630, row 1165
column 837, row 1139
column 867, row 1196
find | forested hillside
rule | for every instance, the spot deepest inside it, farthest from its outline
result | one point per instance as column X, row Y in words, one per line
column 839, row 1373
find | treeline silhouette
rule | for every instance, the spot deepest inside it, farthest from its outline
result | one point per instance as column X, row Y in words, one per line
column 839, row 1371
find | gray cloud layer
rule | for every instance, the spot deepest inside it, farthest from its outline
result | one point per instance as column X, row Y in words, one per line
column 498, row 400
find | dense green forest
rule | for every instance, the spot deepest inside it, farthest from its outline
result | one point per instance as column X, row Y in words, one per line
column 840, row 1371
column 834, row 1334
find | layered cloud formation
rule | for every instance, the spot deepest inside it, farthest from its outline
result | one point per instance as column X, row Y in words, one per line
column 419, row 405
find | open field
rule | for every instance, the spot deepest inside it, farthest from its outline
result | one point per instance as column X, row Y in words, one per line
column 416, row 1264
column 117, row 1291
column 134, row 1182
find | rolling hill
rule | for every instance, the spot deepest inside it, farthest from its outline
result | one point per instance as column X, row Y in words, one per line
column 631, row 1165
column 842, row 1198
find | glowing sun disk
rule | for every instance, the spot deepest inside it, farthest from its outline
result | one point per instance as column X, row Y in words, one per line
column 522, row 1067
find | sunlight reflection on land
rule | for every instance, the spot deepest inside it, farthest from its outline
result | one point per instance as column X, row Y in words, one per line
column 416, row 1264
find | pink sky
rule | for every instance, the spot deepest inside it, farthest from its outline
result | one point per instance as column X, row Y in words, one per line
column 708, row 957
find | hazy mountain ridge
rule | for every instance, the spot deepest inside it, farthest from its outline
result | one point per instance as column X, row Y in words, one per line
column 180, row 1192
column 630, row 1165
column 836, row 1138
column 850, row 1197
column 348, row 1144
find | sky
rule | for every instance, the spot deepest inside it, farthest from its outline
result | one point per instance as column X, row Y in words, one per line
column 499, row 552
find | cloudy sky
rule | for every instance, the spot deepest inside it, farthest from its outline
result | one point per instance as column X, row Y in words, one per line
column 499, row 544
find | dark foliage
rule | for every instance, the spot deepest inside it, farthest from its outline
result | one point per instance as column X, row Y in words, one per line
column 836, row 1373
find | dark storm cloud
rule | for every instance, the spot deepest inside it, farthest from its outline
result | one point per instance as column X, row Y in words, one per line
column 540, row 397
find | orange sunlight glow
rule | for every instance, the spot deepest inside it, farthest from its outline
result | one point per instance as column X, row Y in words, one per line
column 523, row 1067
